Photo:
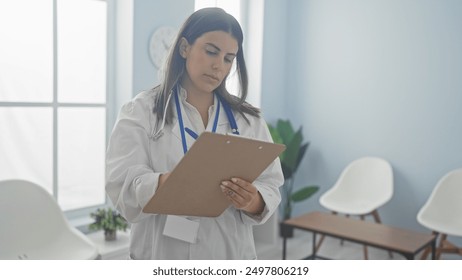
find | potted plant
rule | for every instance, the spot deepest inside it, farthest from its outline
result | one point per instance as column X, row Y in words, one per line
column 284, row 133
column 109, row 221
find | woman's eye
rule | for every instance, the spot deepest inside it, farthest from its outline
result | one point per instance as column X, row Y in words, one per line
column 229, row 59
column 211, row 52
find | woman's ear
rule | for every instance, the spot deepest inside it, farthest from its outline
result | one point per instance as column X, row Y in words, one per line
column 184, row 47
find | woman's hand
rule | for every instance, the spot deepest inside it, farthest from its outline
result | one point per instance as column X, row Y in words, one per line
column 162, row 178
column 243, row 195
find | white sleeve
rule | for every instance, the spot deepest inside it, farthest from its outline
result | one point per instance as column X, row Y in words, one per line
column 268, row 182
column 130, row 180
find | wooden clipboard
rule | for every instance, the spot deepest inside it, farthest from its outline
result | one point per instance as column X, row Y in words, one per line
column 193, row 187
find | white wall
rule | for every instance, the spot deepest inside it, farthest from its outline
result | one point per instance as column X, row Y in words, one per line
column 374, row 77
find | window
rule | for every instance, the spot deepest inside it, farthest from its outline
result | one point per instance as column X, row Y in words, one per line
column 244, row 11
column 232, row 7
column 53, row 101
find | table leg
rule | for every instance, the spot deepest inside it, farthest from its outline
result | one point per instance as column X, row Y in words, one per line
column 313, row 252
column 284, row 247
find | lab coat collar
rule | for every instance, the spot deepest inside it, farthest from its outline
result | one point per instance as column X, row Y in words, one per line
column 223, row 122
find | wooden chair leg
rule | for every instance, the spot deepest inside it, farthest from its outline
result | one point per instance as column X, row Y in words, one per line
column 426, row 253
column 450, row 248
column 342, row 240
column 447, row 247
column 440, row 247
column 366, row 257
column 377, row 219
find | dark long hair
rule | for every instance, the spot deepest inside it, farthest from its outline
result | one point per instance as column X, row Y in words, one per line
column 200, row 22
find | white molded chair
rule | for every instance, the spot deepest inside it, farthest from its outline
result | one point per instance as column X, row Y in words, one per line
column 32, row 226
column 442, row 213
column 363, row 186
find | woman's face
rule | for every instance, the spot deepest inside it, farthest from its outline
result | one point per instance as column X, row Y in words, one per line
column 208, row 60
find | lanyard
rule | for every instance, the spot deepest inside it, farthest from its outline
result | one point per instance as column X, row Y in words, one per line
column 194, row 135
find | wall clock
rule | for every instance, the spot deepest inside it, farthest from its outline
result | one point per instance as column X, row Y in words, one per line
column 160, row 43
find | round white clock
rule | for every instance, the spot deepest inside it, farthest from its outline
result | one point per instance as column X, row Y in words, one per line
column 160, row 43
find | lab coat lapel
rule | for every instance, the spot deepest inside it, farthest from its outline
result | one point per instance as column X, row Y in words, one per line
column 223, row 126
column 223, row 123
column 176, row 131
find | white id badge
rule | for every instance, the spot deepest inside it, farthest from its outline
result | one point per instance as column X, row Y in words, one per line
column 181, row 228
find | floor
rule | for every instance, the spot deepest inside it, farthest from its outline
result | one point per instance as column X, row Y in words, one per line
column 300, row 246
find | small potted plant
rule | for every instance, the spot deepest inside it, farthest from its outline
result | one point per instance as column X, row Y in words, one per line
column 109, row 221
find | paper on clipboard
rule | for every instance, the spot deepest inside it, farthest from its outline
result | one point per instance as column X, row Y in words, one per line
column 193, row 187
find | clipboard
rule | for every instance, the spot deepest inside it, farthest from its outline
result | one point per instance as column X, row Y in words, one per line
column 193, row 187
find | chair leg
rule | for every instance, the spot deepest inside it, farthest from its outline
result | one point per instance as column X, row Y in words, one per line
column 342, row 240
column 440, row 247
column 425, row 253
column 377, row 219
column 364, row 247
column 446, row 247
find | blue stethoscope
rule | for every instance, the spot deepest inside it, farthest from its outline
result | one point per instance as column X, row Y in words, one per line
column 226, row 107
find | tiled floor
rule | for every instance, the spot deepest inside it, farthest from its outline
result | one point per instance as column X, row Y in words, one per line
column 300, row 246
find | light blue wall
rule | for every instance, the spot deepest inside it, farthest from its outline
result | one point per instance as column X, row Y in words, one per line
column 380, row 78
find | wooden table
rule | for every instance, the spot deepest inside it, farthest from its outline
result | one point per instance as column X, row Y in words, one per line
column 403, row 241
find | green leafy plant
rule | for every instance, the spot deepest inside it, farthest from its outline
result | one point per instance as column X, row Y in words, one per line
column 284, row 133
column 109, row 221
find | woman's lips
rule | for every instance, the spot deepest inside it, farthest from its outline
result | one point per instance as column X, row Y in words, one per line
column 212, row 77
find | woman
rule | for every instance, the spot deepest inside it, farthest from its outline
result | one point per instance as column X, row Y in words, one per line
column 157, row 127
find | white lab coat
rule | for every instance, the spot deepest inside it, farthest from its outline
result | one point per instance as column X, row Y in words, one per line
column 135, row 160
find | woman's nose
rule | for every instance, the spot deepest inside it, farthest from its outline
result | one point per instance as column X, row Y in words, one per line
column 217, row 64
